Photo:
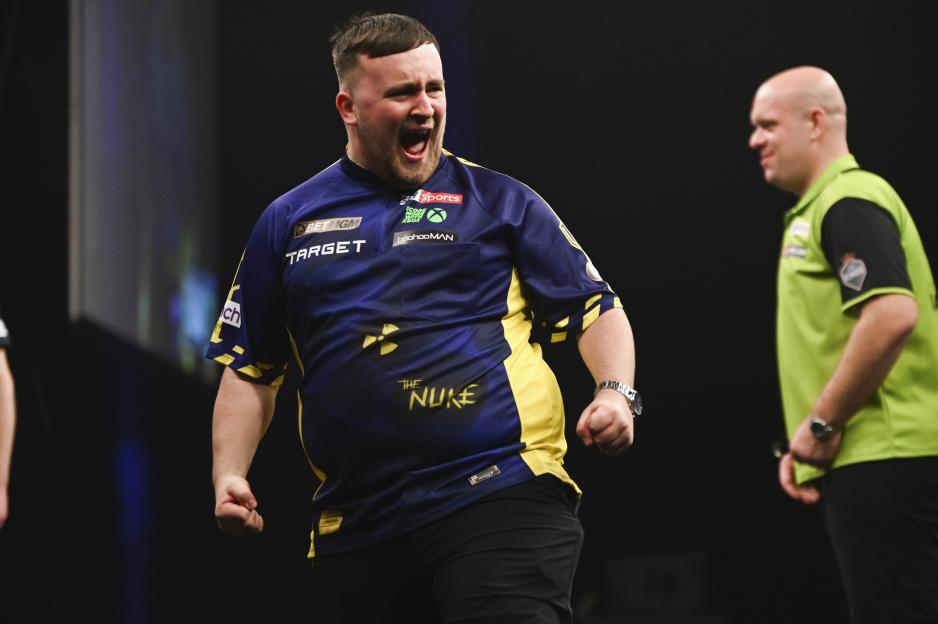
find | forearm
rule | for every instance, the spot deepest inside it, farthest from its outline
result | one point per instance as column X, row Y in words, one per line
column 243, row 411
column 608, row 348
column 7, row 419
column 874, row 346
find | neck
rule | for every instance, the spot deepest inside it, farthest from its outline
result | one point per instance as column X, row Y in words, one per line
column 821, row 164
column 356, row 155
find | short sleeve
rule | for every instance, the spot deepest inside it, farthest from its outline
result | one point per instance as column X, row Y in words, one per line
column 862, row 244
column 251, row 334
column 566, row 290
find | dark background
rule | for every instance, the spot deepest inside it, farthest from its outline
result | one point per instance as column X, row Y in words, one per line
column 632, row 121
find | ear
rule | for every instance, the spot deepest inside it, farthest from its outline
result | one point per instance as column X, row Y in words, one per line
column 818, row 120
column 346, row 107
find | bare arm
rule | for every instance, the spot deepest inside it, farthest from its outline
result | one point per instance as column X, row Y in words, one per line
column 7, row 428
column 874, row 346
column 608, row 350
column 243, row 411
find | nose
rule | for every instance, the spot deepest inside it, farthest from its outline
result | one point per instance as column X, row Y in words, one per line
column 423, row 105
column 756, row 139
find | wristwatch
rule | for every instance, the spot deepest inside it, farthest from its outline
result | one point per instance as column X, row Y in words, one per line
column 631, row 395
column 821, row 430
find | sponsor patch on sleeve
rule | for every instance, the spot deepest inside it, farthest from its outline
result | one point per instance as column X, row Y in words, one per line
column 852, row 272
column 231, row 313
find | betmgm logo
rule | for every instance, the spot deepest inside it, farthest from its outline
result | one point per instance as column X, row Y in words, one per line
column 325, row 225
column 231, row 313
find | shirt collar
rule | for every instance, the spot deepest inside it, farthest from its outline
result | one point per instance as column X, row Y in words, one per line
column 356, row 172
column 839, row 166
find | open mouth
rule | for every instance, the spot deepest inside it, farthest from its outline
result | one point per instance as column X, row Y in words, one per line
column 415, row 143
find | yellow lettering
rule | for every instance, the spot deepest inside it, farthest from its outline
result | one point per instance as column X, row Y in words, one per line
column 418, row 398
column 438, row 397
column 466, row 394
column 437, row 403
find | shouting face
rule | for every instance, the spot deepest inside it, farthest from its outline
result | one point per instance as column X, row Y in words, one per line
column 395, row 109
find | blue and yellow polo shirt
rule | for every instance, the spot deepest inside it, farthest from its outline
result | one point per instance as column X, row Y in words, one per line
column 415, row 320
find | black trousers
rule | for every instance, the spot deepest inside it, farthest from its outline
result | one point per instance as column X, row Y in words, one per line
column 509, row 557
column 882, row 517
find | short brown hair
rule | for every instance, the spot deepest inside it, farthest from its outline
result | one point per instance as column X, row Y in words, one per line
column 375, row 36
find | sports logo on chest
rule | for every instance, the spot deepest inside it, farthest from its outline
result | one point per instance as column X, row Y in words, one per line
column 428, row 197
column 800, row 228
column 417, row 208
column 796, row 237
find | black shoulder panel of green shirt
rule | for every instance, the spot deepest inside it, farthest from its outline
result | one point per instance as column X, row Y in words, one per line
column 862, row 244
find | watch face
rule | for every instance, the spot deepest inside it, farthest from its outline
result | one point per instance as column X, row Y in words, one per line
column 821, row 430
column 636, row 403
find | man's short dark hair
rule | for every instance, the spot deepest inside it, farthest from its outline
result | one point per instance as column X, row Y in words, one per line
column 375, row 36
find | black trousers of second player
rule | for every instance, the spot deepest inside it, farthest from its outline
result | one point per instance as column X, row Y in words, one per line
column 509, row 557
column 882, row 517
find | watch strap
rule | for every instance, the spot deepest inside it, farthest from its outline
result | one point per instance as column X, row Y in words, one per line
column 625, row 390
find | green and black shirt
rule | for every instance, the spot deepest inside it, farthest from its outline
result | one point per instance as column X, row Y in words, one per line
column 850, row 238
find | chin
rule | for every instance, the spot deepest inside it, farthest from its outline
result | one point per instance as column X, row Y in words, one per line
column 409, row 177
column 414, row 174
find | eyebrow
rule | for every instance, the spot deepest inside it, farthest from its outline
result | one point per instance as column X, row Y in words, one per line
column 411, row 87
column 763, row 120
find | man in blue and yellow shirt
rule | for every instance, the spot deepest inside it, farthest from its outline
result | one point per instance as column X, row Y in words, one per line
column 857, row 332
column 411, row 288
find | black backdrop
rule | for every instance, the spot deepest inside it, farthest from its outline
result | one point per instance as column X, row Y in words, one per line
column 632, row 121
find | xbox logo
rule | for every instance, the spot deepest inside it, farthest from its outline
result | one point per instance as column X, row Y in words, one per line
column 436, row 215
